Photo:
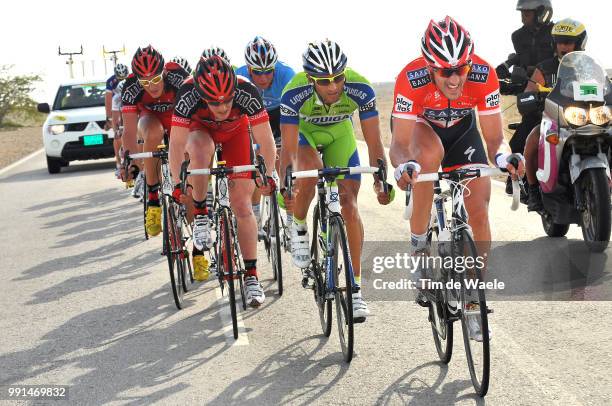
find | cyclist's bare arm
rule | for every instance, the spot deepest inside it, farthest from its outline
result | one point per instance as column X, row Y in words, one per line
column 399, row 152
column 289, row 147
column 130, row 128
column 108, row 103
column 263, row 136
column 178, row 142
column 116, row 119
column 493, row 134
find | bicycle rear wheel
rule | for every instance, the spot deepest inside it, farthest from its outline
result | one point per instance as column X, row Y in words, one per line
column 317, row 267
column 225, row 265
column 172, row 244
column 439, row 315
column 473, row 310
column 343, row 280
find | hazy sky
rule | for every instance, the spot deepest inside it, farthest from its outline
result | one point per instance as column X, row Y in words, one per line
column 379, row 37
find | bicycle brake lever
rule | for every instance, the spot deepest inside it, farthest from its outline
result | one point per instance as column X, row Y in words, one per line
column 382, row 175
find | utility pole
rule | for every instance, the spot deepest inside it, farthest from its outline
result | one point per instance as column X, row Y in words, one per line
column 113, row 53
column 70, row 60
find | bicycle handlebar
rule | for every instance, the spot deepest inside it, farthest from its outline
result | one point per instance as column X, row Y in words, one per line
column 144, row 155
column 315, row 173
column 463, row 174
column 223, row 169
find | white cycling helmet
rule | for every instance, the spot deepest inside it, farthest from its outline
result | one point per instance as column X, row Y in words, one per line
column 260, row 54
column 208, row 52
column 323, row 58
column 121, row 71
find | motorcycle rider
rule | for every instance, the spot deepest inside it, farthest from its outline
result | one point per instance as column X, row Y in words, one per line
column 532, row 42
column 569, row 35
column 532, row 45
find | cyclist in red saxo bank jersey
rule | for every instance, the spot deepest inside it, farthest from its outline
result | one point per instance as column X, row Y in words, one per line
column 434, row 124
column 148, row 97
column 216, row 106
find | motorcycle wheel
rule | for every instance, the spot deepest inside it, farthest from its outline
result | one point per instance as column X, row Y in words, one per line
column 596, row 214
column 551, row 228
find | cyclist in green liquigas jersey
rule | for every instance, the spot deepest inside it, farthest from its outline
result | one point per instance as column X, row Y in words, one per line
column 316, row 109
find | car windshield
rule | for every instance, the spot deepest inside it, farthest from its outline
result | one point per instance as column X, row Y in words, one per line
column 80, row 95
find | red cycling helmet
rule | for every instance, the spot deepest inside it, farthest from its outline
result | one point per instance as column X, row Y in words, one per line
column 446, row 44
column 147, row 62
column 214, row 79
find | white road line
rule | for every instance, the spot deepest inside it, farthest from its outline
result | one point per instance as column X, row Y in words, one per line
column 22, row 160
column 226, row 319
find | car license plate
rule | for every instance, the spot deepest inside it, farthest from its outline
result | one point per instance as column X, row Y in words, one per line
column 95, row 139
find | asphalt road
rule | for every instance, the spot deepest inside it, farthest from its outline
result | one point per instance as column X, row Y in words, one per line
column 86, row 302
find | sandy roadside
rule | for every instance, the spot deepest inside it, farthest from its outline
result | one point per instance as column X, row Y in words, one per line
column 18, row 143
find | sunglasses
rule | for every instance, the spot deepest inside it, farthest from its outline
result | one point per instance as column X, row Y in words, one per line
column 448, row 72
column 218, row 103
column 339, row 78
column 153, row 81
column 260, row 72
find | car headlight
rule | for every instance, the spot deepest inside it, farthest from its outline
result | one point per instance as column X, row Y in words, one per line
column 576, row 115
column 57, row 129
column 600, row 115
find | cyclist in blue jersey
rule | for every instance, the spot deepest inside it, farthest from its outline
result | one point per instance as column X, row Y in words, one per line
column 270, row 76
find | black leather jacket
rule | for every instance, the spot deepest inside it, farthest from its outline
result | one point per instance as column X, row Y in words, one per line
column 533, row 45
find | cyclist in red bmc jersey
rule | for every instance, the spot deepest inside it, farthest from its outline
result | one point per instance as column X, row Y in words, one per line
column 434, row 124
column 148, row 101
column 216, row 106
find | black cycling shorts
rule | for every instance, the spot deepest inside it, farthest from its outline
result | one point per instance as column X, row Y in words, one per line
column 462, row 144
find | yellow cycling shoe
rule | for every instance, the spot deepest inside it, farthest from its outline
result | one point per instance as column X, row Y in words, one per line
column 153, row 220
column 200, row 268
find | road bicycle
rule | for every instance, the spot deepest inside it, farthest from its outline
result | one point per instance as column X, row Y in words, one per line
column 330, row 267
column 226, row 256
column 177, row 232
column 451, row 241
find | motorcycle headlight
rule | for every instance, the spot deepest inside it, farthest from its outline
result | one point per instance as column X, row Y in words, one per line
column 57, row 129
column 576, row 116
column 600, row 115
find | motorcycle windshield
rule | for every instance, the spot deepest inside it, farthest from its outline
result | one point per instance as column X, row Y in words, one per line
column 581, row 79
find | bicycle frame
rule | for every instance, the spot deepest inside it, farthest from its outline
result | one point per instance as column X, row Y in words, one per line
column 329, row 208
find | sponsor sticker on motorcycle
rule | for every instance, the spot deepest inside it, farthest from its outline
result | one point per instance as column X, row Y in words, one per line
column 588, row 91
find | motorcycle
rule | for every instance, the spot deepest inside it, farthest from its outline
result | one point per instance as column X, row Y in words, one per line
column 574, row 150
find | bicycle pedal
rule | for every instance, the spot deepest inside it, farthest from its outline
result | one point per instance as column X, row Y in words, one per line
column 359, row 319
column 489, row 310
column 307, row 283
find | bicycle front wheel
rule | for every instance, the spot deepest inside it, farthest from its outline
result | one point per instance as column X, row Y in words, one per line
column 173, row 251
column 145, row 205
column 275, row 243
column 225, row 264
column 439, row 315
column 317, row 268
column 474, row 318
column 343, row 280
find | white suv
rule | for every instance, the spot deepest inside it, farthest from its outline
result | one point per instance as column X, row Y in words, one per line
column 74, row 128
